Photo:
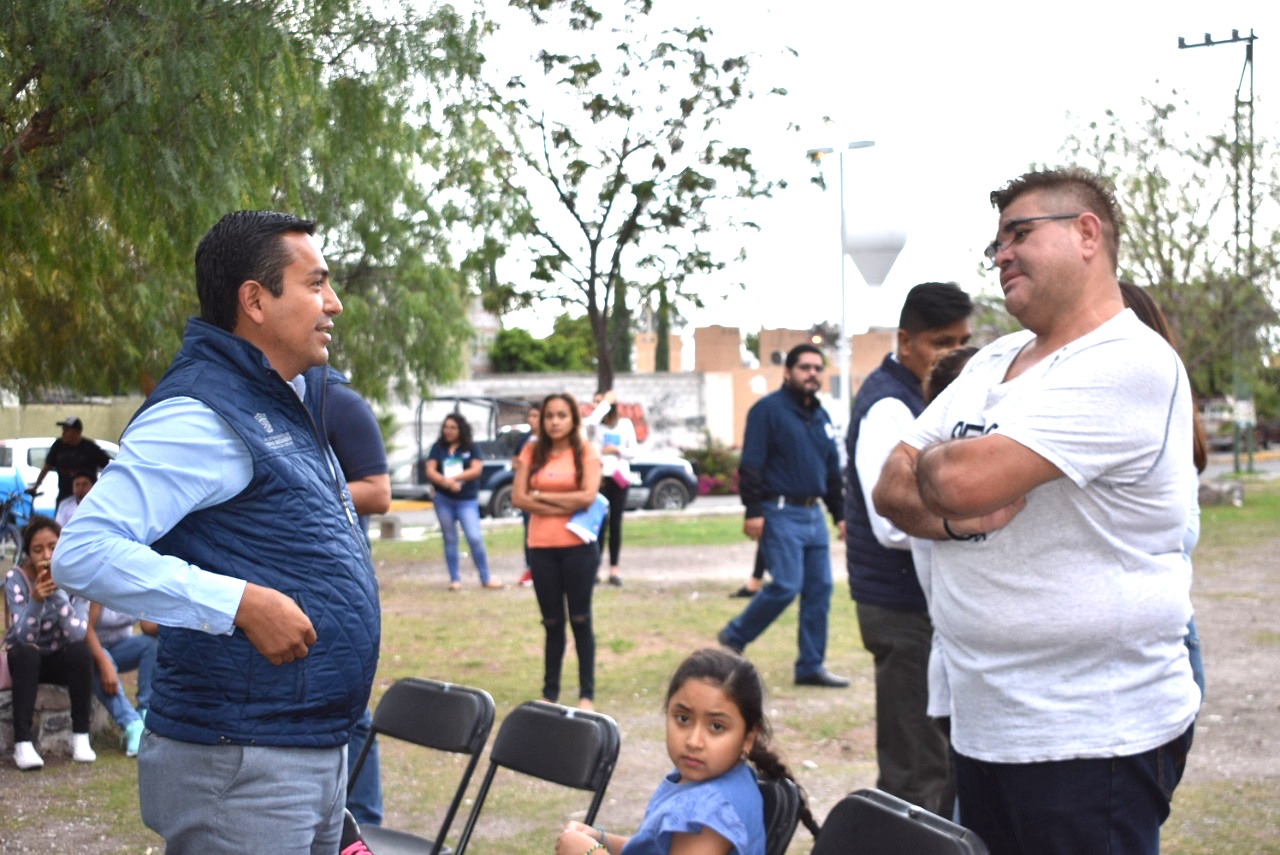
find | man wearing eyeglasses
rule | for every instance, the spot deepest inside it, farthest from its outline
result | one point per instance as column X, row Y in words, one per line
column 1051, row 475
column 790, row 464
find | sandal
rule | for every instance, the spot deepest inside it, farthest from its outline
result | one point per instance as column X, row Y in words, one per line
column 455, row 586
column 494, row 585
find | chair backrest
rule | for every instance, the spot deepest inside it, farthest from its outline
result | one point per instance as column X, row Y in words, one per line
column 569, row 747
column 781, row 813
column 443, row 716
column 872, row 822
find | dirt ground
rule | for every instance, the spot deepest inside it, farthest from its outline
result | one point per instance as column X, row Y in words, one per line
column 1237, row 598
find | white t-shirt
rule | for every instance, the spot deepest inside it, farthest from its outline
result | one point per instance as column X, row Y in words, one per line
column 880, row 432
column 1062, row 632
column 939, row 703
column 621, row 436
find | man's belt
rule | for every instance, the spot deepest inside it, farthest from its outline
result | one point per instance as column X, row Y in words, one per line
column 802, row 501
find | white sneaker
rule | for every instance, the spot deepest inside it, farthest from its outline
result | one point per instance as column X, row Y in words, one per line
column 81, row 751
column 25, row 756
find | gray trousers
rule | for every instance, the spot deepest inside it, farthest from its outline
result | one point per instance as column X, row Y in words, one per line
column 213, row 799
column 912, row 750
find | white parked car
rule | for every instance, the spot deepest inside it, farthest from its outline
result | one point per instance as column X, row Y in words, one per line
column 26, row 454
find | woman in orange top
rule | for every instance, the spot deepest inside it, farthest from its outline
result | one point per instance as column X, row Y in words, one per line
column 555, row 477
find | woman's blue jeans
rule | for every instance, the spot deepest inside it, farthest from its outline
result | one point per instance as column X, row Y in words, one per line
column 450, row 512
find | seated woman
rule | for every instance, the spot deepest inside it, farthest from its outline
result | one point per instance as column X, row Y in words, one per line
column 46, row 641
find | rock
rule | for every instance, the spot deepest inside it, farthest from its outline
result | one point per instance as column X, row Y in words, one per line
column 1221, row 493
column 51, row 725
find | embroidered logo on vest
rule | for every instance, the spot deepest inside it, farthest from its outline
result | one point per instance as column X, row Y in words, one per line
column 261, row 418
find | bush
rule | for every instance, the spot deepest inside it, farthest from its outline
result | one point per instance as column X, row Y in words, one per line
column 716, row 465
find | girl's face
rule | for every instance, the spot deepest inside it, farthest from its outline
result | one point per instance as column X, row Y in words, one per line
column 557, row 421
column 449, row 430
column 535, row 416
column 706, row 735
column 41, row 547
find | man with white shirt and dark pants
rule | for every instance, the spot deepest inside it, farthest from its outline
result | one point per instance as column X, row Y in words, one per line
column 911, row 750
column 226, row 520
column 1051, row 476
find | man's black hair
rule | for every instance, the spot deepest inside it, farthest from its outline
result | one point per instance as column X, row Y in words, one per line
column 793, row 355
column 241, row 246
column 934, row 305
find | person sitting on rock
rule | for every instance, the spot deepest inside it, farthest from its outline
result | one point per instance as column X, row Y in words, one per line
column 46, row 641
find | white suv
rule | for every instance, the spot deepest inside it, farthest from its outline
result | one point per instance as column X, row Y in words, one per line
column 26, row 455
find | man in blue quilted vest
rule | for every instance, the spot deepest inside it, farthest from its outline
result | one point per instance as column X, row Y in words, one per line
column 893, row 618
column 226, row 520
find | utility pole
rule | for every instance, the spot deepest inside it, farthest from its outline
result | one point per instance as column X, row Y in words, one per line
column 1245, row 251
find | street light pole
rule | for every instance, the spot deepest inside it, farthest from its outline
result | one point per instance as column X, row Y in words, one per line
column 844, row 350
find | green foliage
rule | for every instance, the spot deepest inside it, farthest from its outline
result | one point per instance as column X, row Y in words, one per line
column 129, row 128
column 1176, row 192
column 617, row 165
column 570, row 347
column 716, row 465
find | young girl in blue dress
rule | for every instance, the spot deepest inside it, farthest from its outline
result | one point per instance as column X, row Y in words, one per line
column 710, row 804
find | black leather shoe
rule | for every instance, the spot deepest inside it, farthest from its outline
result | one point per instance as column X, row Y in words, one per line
column 823, row 678
column 723, row 638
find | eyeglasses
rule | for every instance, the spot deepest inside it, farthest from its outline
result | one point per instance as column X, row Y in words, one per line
column 1014, row 227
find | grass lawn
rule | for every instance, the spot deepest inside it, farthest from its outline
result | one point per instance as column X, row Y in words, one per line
column 493, row 640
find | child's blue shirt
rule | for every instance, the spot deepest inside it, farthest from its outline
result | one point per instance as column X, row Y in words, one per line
column 730, row 805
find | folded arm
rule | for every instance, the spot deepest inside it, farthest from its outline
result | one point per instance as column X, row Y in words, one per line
column 898, row 497
column 966, row 478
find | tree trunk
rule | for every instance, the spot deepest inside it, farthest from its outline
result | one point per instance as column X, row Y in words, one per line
column 662, row 329
column 620, row 328
column 604, row 364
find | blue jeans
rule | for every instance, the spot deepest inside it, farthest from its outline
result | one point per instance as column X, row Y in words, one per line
column 451, row 511
column 364, row 800
column 1068, row 807
column 231, row 799
column 795, row 546
column 134, row 652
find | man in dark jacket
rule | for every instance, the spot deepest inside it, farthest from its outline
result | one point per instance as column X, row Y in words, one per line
column 226, row 520
column 70, row 455
column 893, row 617
column 790, row 463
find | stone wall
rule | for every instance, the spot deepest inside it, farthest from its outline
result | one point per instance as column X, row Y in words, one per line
column 51, row 727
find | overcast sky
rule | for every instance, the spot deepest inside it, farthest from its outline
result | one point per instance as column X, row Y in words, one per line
column 958, row 98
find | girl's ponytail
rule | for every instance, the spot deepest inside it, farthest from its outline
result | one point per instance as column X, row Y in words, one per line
column 769, row 765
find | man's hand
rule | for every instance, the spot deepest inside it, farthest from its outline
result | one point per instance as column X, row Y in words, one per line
column 840, row 529
column 274, row 624
column 753, row 527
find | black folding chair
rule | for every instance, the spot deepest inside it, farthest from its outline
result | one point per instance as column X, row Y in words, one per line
column 781, row 813
column 872, row 822
column 436, row 715
column 569, row 747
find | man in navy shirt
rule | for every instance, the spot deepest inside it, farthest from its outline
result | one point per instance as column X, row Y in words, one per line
column 789, row 464
column 353, row 434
